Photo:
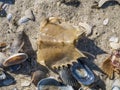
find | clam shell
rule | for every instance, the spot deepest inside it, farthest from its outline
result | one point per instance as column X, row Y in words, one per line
column 48, row 84
column 67, row 77
column 23, row 20
column 15, row 59
column 82, row 73
column 37, row 76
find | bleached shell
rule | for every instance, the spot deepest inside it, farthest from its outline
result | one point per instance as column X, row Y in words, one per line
column 23, row 20
column 15, row 59
column 105, row 22
column 87, row 27
column 114, row 45
column 9, row 17
column 29, row 14
column 113, row 39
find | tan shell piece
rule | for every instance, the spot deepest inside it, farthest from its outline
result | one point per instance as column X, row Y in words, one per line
column 56, row 43
column 108, row 67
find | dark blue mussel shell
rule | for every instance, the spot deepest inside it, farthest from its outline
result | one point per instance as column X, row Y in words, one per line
column 67, row 77
column 46, row 83
column 82, row 73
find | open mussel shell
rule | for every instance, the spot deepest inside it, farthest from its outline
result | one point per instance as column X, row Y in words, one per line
column 66, row 76
column 15, row 59
column 48, row 84
column 82, row 73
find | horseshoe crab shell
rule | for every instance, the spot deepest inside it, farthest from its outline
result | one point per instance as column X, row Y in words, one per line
column 66, row 76
column 82, row 73
column 48, row 84
column 56, row 43
column 15, row 59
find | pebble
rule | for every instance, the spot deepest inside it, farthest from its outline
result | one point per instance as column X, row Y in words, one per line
column 29, row 14
column 105, row 22
column 23, row 20
column 8, row 82
column 113, row 39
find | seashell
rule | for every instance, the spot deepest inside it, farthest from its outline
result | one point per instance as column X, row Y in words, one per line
column 67, row 77
column 57, row 41
column 29, row 14
column 7, row 82
column 25, row 83
column 113, row 39
column 17, row 43
column 114, row 45
column 105, row 22
column 15, row 59
column 2, row 58
column 14, row 68
column 2, row 75
column 48, row 84
column 23, row 20
column 88, row 28
column 82, row 73
column 108, row 68
column 116, row 85
column 9, row 17
column 37, row 76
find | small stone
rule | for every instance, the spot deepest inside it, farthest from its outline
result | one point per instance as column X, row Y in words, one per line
column 113, row 39
column 7, row 82
column 105, row 22
column 25, row 83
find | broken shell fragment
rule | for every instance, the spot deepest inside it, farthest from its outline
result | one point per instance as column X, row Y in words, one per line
column 115, row 45
column 15, row 59
column 105, row 22
column 23, row 20
column 67, row 77
column 9, row 17
column 2, row 58
column 116, row 85
column 37, row 76
column 48, row 84
column 29, row 14
column 113, row 39
column 82, row 73
column 2, row 75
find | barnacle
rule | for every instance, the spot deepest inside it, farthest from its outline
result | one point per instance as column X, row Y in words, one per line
column 56, row 43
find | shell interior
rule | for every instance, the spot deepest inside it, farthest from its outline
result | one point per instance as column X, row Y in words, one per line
column 15, row 59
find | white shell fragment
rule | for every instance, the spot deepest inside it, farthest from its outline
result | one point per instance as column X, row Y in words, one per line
column 87, row 27
column 115, row 45
column 29, row 14
column 114, row 39
column 25, row 83
column 2, row 75
column 105, row 22
column 9, row 17
column 116, row 85
column 23, row 20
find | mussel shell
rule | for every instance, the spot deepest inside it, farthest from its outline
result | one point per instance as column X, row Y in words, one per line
column 15, row 59
column 48, row 84
column 86, row 77
column 14, row 68
column 2, row 75
column 23, row 20
column 67, row 77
